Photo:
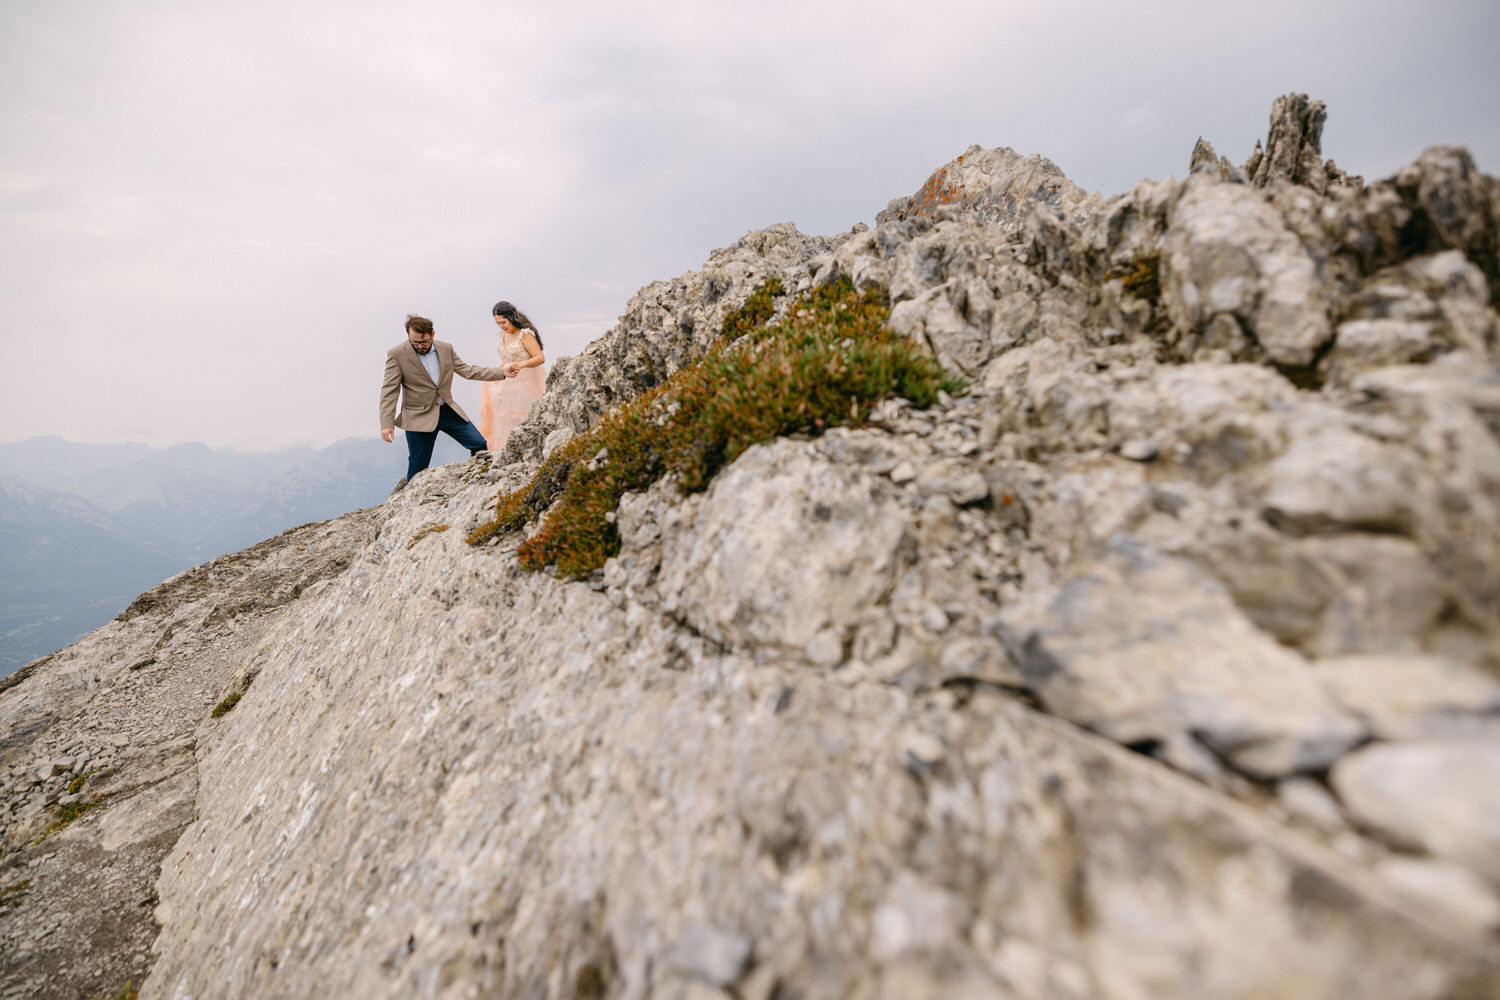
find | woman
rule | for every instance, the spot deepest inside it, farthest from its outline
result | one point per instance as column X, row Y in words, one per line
column 505, row 404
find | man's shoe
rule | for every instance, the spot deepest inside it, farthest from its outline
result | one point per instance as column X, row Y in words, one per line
column 400, row 485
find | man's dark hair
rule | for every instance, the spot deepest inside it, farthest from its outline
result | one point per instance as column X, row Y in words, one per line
column 418, row 324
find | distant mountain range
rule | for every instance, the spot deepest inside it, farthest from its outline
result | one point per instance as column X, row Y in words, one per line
column 84, row 528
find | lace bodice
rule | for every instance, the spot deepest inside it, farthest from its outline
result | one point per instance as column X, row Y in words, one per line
column 512, row 352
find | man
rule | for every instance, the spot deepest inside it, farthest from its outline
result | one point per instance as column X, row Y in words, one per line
column 421, row 371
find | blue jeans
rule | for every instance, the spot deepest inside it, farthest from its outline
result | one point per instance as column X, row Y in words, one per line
column 419, row 443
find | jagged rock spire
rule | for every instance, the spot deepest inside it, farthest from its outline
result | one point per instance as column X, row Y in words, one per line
column 1294, row 147
column 1206, row 158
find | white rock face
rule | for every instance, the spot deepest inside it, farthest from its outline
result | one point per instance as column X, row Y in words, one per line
column 1232, row 255
column 1414, row 697
column 1146, row 650
column 130, row 700
column 580, row 790
column 1441, row 797
column 1162, row 663
column 794, row 549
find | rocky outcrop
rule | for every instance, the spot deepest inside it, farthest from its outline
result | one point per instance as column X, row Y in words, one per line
column 998, row 187
column 1161, row 663
column 1294, row 148
column 106, row 731
column 666, row 325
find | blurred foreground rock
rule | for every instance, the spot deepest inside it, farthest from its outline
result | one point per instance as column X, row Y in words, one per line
column 1164, row 663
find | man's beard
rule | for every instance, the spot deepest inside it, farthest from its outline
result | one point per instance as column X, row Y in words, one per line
column 422, row 348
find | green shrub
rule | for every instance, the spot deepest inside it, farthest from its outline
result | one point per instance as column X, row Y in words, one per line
column 759, row 307
column 227, row 705
column 825, row 363
column 65, row 815
column 11, row 894
column 1141, row 277
column 233, row 698
column 431, row 529
column 73, row 810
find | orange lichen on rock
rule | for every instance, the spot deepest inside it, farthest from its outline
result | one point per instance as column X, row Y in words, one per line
column 938, row 191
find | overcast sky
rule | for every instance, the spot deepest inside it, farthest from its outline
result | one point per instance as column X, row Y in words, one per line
column 214, row 216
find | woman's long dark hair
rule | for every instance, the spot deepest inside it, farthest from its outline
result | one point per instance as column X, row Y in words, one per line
column 517, row 319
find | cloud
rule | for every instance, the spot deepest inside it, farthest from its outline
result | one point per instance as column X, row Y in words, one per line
column 1141, row 118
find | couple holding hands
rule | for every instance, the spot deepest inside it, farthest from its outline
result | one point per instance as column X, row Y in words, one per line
column 420, row 371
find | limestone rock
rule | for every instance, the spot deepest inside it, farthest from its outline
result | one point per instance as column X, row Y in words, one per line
column 1294, row 147
column 1206, row 159
column 715, row 956
column 666, row 325
column 1453, row 206
column 1336, row 479
column 1148, row 651
column 129, row 699
column 1311, row 803
column 1055, row 688
column 1441, row 797
column 1447, row 889
column 995, row 185
column 783, row 548
column 1414, row 697
column 1231, row 255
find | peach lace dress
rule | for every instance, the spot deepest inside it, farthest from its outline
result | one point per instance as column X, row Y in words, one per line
column 505, row 404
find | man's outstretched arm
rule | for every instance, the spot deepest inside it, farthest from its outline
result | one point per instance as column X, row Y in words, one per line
column 463, row 369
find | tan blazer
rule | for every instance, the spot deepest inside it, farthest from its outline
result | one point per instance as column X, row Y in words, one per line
column 404, row 375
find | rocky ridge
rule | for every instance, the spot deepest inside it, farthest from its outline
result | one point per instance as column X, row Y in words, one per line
column 1166, row 662
column 109, row 725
